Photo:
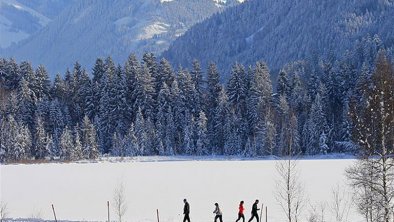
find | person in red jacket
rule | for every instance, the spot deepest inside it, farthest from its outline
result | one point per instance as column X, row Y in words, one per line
column 241, row 212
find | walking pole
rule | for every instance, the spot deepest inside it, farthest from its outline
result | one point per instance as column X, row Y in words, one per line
column 266, row 214
column 54, row 213
column 261, row 212
column 157, row 213
column 108, row 209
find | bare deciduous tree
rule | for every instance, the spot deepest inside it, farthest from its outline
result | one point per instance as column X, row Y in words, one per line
column 120, row 204
column 317, row 214
column 289, row 190
column 372, row 115
column 340, row 204
column 3, row 211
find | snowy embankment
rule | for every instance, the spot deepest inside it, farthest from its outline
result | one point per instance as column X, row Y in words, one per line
column 80, row 191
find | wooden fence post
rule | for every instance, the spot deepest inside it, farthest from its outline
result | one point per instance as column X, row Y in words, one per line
column 108, row 210
column 157, row 213
column 54, row 213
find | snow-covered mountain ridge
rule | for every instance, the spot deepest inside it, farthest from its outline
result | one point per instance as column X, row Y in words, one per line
column 89, row 29
column 282, row 31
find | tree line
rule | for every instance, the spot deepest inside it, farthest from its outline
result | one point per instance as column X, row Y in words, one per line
column 146, row 107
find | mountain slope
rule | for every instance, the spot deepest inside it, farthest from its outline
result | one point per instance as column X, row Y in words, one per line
column 281, row 31
column 19, row 19
column 94, row 28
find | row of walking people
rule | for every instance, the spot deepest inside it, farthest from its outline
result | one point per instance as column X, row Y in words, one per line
column 219, row 215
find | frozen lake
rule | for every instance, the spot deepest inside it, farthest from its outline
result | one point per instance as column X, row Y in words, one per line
column 80, row 191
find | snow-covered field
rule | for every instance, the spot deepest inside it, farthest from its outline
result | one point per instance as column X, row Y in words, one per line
column 80, row 191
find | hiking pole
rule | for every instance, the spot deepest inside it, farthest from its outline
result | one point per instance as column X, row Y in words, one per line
column 157, row 213
column 266, row 214
column 108, row 209
column 261, row 212
column 54, row 213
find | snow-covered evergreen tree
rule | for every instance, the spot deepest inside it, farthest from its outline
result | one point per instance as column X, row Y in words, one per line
column 260, row 94
column 131, row 147
column 23, row 144
column 140, row 133
column 202, row 142
column 89, row 140
column 314, row 127
column 26, row 104
column 213, row 92
column 222, row 120
column 66, row 145
column 41, row 140
column 41, row 84
column 77, row 154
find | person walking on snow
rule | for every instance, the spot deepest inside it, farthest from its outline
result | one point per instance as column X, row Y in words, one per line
column 218, row 213
column 186, row 211
column 241, row 212
column 254, row 211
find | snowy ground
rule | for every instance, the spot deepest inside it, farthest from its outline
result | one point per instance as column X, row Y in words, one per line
column 80, row 191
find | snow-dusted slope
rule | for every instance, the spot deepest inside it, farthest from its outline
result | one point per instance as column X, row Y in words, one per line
column 19, row 19
column 281, row 31
column 93, row 28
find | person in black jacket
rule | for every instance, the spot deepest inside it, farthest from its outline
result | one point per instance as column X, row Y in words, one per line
column 254, row 211
column 218, row 213
column 186, row 211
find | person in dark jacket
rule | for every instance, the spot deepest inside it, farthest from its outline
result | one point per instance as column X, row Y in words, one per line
column 241, row 212
column 254, row 211
column 218, row 213
column 186, row 211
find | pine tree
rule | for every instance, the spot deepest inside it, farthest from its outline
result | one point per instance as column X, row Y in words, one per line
column 270, row 133
column 314, row 127
column 152, row 70
column 98, row 70
column 250, row 148
column 41, row 85
column 140, row 133
column 283, row 85
column 222, row 119
column 131, row 69
column 233, row 141
column 23, row 143
column 66, row 145
column 260, row 96
column 26, row 71
column 144, row 92
column 152, row 139
column 131, row 148
column 188, row 145
column 166, row 74
column 118, row 146
column 89, row 140
column 58, row 90
column 188, row 91
column 11, row 75
column 7, row 136
column 213, row 91
column 179, row 110
column 169, row 142
column 77, row 154
column 26, row 104
column 197, row 78
column 236, row 89
column 121, row 111
column 202, row 139
column 41, row 140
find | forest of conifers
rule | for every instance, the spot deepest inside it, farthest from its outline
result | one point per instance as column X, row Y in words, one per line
column 146, row 107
